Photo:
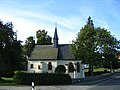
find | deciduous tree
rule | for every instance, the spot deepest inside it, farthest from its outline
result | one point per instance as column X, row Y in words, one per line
column 10, row 49
column 43, row 38
column 29, row 45
column 92, row 44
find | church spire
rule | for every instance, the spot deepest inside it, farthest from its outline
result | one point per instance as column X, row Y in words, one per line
column 55, row 39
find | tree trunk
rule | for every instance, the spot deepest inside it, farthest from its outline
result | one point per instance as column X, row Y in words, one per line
column 110, row 67
column 91, row 70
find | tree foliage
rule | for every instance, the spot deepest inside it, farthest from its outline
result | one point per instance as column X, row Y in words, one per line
column 29, row 45
column 83, row 47
column 43, row 38
column 107, row 46
column 92, row 44
column 10, row 49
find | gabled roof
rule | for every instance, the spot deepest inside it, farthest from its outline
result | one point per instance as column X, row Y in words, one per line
column 44, row 52
column 65, row 52
column 55, row 34
column 48, row 52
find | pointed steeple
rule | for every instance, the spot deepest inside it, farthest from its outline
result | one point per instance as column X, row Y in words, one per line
column 55, row 39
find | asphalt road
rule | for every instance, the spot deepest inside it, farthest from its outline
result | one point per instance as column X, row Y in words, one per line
column 71, row 87
column 110, row 84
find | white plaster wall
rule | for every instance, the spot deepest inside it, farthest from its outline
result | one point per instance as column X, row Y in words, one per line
column 71, row 75
column 43, row 66
column 82, row 73
column 74, row 74
column 55, row 63
column 35, row 66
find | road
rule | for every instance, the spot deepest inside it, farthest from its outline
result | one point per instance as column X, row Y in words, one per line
column 71, row 87
column 111, row 84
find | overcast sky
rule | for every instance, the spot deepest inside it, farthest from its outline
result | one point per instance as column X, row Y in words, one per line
column 28, row 16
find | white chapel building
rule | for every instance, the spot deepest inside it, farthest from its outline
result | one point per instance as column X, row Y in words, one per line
column 45, row 58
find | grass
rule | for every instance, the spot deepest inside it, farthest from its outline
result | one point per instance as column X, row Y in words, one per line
column 7, row 82
column 97, row 69
column 100, row 69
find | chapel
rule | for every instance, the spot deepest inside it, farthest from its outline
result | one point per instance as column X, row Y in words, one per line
column 45, row 58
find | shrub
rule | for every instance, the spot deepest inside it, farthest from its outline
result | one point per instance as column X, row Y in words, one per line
column 60, row 69
column 23, row 78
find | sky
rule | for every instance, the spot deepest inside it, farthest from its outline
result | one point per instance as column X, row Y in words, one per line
column 28, row 16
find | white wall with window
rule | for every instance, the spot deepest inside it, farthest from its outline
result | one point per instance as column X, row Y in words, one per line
column 73, row 67
column 42, row 66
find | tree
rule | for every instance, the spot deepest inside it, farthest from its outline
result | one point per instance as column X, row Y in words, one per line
column 29, row 45
column 10, row 49
column 93, row 43
column 107, row 46
column 83, row 47
column 43, row 38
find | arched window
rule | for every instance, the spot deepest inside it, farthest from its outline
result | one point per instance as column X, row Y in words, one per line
column 78, row 67
column 49, row 66
column 70, row 67
column 31, row 65
column 38, row 66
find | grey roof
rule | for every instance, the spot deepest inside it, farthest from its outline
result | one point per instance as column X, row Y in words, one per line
column 44, row 52
column 55, row 34
column 48, row 52
column 65, row 52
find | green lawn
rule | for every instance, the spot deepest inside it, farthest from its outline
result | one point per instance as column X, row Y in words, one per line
column 7, row 82
column 97, row 69
column 100, row 69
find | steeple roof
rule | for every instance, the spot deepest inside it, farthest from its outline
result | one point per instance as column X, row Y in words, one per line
column 55, row 39
column 55, row 33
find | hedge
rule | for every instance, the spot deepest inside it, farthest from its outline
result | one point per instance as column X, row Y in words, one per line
column 24, row 78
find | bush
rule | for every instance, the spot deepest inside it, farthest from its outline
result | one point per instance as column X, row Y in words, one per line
column 23, row 78
column 60, row 69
